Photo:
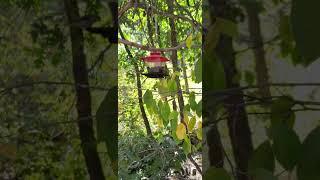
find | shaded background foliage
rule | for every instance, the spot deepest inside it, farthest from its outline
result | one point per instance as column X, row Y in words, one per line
column 283, row 123
column 38, row 117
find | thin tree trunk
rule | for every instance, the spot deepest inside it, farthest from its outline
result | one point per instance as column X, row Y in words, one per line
column 215, row 148
column 143, row 112
column 174, row 60
column 238, row 125
column 174, row 104
column 139, row 86
column 185, row 77
column 213, row 138
column 258, row 50
column 88, row 141
column 149, row 26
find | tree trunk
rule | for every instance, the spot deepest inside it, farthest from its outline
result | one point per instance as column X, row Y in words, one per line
column 238, row 125
column 139, row 86
column 88, row 141
column 215, row 148
column 174, row 60
column 185, row 77
column 258, row 50
column 143, row 112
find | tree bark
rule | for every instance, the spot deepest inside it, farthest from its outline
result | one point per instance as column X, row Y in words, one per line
column 238, row 125
column 139, row 86
column 215, row 148
column 88, row 141
column 258, row 50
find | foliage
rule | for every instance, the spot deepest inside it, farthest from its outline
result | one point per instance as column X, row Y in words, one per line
column 296, row 40
column 150, row 27
column 39, row 123
column 141, row 157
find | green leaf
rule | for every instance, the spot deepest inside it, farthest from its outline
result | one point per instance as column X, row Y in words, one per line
column 198, row 71
column 216, row 174
column 262, row 174
column 163, row 88
column 286, row 146
column 192, row 101
column 148, row 97
column 174, row 122
column 262, row 158
column 172, row 86
column 249, row 77
column 212, row 38
column 287, row 43
column 192, row 123
column 107, row 124
column 214, row 78
column 281, row 112
column 309, row 165
column 227, row 27
column 165, row 112
column 306, row 33
column 199, row 109
column 189, row 41
column 282, row 104
column 186, row 146
column 150, row 102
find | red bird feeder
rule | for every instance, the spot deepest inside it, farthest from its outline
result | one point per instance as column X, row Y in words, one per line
column 156, row 65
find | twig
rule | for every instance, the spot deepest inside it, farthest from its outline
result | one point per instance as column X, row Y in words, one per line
column 28, row 84
column 195, row 163
column 235, row 90
column 100, row 58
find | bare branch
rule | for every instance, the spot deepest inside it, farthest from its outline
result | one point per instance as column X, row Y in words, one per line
column 144, row 47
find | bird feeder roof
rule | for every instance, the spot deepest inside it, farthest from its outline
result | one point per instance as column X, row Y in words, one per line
column 155, row 57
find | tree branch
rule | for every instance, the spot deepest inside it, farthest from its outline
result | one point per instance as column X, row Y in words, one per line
column 144, row 47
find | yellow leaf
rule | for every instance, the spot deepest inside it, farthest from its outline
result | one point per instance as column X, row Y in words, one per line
column 199, row 125
column 199, row 130
column 181, row 131
column 189, row 41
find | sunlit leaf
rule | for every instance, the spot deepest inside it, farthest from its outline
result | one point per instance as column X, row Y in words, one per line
column 192, row 123
column 181, row 131
column 189, row 41
column 186, row 145
column 199, row 130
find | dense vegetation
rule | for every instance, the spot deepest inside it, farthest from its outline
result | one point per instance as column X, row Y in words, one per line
column 160, row 119
column 242, row 91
